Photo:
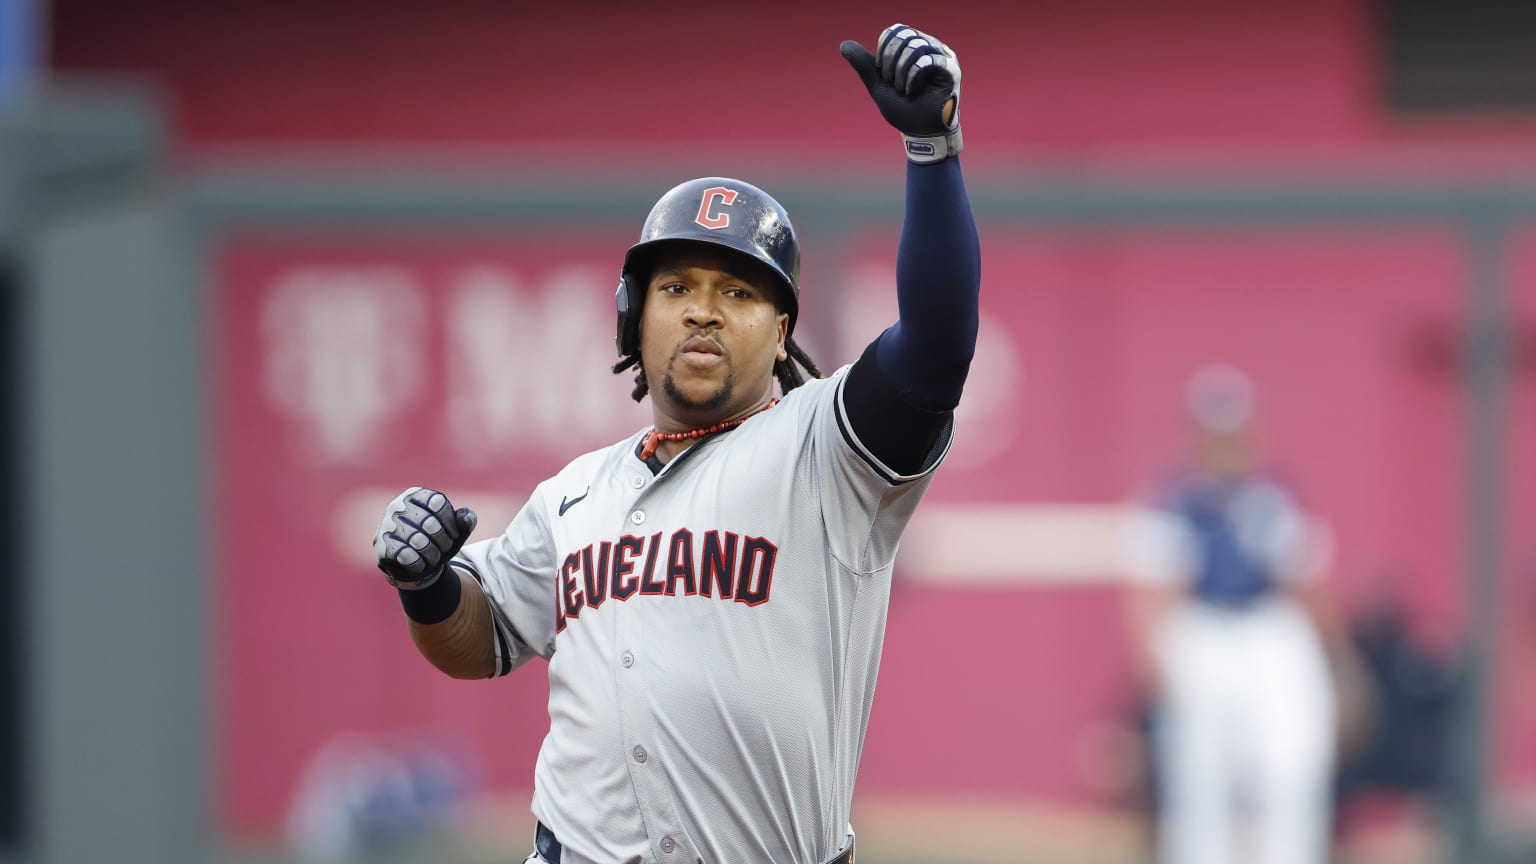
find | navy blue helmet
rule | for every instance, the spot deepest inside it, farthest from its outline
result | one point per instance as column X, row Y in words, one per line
column 720, row 212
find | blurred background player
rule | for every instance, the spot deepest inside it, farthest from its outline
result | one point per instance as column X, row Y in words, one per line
column 1226, row 615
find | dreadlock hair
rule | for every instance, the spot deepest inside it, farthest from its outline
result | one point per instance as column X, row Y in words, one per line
column 791, row 373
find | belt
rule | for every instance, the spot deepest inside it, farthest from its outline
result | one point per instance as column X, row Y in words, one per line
column 548, row 847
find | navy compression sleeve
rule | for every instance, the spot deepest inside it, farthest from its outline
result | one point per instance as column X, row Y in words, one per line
column 927, row 353
column 901, row 392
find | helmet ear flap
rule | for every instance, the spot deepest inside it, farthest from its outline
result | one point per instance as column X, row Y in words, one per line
column 627, row 301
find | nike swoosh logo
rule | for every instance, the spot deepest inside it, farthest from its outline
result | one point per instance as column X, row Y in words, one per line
column 566, row 505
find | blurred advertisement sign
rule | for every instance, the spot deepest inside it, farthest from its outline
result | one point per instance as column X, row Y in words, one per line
column 352, row 366
column 347, row 371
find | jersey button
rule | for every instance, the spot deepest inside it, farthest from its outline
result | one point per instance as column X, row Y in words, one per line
column 637, row 517
column 638, row 482
column 668, row 844
column 640, row 755
column 628, row 659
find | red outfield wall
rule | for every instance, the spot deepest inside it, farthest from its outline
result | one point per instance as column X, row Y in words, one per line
column 1076, row 84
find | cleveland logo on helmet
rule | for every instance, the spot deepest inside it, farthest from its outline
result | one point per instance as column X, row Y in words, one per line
column 710, row 216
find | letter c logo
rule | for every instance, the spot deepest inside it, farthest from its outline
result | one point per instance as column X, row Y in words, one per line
column 710, row 215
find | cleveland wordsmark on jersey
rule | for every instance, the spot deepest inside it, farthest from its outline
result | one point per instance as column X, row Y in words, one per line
column 713, row 633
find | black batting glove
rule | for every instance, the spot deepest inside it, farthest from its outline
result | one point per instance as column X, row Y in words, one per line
column 419, row 533
column 913, row 78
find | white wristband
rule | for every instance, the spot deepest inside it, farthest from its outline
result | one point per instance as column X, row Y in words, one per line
column 927, row 150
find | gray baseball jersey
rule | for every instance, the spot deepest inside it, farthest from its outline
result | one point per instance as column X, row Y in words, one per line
column 713, row 634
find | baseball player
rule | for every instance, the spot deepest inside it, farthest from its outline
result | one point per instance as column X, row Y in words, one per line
column 1228, row 619
column 710, row 593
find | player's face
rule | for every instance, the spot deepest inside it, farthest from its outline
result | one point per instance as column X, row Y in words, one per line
column 710, row 332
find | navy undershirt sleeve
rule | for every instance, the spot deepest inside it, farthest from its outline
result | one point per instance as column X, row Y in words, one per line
column 921, row 361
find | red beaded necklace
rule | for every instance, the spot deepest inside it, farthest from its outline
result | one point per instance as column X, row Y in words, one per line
column 653, row 438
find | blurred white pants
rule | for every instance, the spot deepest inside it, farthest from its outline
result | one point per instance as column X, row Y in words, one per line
column 1245, row 735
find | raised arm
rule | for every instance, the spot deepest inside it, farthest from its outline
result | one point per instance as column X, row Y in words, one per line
column 901, row 394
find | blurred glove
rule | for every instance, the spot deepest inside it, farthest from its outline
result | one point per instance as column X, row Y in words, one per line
column 913, row 78
column 420, row 531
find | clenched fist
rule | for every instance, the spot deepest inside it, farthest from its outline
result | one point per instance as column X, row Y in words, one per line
column 420, row 531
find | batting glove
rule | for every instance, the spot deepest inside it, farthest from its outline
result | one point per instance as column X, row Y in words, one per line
column 420, row 531
column 913, row 77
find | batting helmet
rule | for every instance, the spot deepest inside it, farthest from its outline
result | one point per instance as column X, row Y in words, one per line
column 720, row 212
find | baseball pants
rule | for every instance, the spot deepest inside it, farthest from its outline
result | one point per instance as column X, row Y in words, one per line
column 1246, row 736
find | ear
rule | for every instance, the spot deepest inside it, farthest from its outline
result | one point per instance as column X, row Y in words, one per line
column 783, row 336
